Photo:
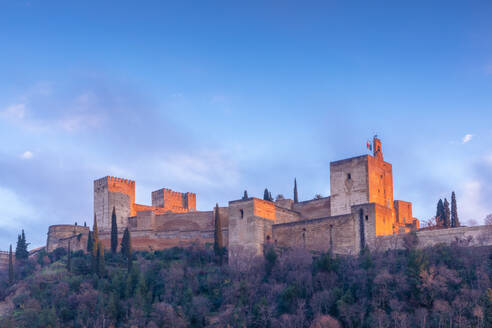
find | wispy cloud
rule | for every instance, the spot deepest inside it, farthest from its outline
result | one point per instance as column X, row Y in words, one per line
column 472, row 208
column 15, row 112
column 467, row 138
column 204, row 169
column 27, row 155
column 16, row 209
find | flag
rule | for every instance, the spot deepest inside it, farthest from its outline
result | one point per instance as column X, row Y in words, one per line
column 369, row 145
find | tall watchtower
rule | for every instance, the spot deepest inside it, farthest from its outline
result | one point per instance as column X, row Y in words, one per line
column 360, row 180
column 114, row 192
column 173, row 201
column 377, row 150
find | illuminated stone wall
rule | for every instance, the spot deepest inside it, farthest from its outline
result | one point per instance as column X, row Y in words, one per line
column 60, row 235
column 112, row 192
column 314, row 209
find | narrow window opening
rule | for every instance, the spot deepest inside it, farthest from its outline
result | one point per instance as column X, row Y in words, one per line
column 367, row 218
column 349, row 176
column 242, row 213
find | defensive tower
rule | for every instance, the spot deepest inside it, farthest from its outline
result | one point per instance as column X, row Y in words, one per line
column 361, row 180
column 174, row 201
column 114, row 192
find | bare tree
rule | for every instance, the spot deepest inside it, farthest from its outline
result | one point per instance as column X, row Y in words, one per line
column 279, row 197
column 488, row 219
column 431, row 224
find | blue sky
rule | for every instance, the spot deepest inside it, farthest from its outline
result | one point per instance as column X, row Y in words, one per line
column 217, row 97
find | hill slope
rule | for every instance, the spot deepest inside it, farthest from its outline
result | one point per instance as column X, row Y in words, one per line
column 437, row 287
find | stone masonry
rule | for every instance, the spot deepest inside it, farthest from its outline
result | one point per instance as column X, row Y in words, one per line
column 360, row 212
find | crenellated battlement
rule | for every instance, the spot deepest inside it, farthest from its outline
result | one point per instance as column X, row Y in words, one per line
column 120, row 180
column 174, row 201
column 110, row 179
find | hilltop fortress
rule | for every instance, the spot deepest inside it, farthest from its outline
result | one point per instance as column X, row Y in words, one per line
column 359, row 212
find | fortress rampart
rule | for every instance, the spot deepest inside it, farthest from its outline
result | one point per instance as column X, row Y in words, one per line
column 464, row 236
column 360, row 212
column 61, row 235
column 4, row 260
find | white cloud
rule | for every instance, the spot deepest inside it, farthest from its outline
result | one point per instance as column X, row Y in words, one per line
column 15, row 112
column 13, row 208
column 488, row 159
column 206, row 168
column 218, row 99
column 467, row 138
column 27, row 155
column 80, row 122
column 470, row 206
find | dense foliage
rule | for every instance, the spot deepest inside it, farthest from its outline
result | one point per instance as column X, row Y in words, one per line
column 443, row 286
column 21, row 252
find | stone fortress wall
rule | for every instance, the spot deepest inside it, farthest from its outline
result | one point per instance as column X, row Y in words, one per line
column 63, row 234
column 4, row 260
column 359, row 212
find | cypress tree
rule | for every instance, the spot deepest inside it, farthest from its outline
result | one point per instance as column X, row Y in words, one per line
column 69, row 258
column 11, row 266
column 447, row 214
column 90, row 243
column 218, row 241
column 126, row 248
column 296, row 198
column 21, row 252
column 95, row 237
column 100, row 266
column 18, row 248
column 440, row 213
column 266, row 195
column 114, row 232
column 95, row 244
column 124, row 243
column 455, row 221
column 245, row 196
column 270, row 198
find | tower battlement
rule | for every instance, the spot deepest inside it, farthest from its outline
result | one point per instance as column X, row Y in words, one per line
column 113, row 192
column 119, row 193
column 113, row 181
column 173, row 200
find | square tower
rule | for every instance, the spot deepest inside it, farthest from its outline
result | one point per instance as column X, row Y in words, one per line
column 114, row 192
column 174, row 201
column 360, row 180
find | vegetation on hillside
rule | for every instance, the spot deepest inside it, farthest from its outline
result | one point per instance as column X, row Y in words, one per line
column 443, row 286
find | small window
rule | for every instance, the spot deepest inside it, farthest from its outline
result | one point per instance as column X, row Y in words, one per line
column 367, row 218
column 349, row 176
column 242, row 213
column 268, row 238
